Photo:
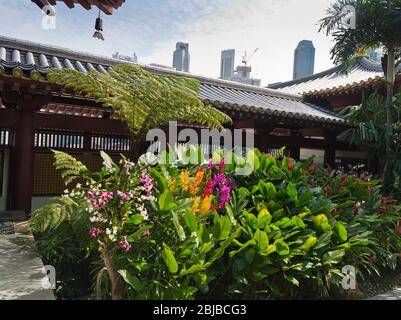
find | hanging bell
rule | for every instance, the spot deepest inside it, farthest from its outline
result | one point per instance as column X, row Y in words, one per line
column 98, row 28
column 99, row 24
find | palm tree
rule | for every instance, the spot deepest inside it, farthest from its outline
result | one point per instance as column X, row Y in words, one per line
column 145, row 101
column 378, row 24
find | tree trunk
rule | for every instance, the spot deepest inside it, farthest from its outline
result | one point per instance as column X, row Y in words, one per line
column 390, row 80
column 116, row 281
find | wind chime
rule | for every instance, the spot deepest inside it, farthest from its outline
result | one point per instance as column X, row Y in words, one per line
column 99, row 28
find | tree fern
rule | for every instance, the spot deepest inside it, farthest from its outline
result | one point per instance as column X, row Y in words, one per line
column 52, row 215
column 70, row 167
column 145, row 101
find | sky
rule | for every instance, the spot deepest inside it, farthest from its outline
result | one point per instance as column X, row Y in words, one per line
column 151, row 28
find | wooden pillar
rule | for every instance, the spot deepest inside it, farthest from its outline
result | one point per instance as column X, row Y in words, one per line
column 23, row 160
column 330, row 150
column 295, row 151
column 23, row 151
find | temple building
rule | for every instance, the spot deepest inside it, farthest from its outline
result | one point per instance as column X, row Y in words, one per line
column 36, row 116
column 336, row 88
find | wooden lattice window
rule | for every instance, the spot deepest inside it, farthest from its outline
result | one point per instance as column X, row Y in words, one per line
column 1, row 172
column 110, row 143
column 5, row 137
column 47, row 181
column 59, row 140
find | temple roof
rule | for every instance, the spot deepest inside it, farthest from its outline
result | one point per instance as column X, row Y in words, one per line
column 106, row 6
column 361, row 74
column 23, row 59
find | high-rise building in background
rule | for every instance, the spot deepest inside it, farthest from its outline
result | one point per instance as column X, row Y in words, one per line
column 181, row 57
column 304, row 60
column 375, row 54
column 227, row 64
column 119, row 56
column 243, row 75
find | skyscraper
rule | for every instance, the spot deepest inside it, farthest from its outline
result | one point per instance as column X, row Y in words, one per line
column 304, row 59
column 227, row 64
column 181, row 57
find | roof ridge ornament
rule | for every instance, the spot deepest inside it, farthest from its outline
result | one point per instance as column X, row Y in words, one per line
column 99, row 28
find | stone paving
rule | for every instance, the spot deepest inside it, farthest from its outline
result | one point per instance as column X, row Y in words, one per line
column 21, row 274
column 393, row 295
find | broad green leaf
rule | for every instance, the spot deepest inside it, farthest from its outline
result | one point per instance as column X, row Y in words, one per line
column 282, row 248
column 169, row 259
column 333, row 257
column 283, row 223
column 262, row 241
column 206, row 247
column 292, row 192
column 309, row 243
column 166, row 201
column 193, row 269
column 178, row 226
column 135, row 219
column 133, row 281
column 225, row 227
column 298, row 222
column 340, row 231
column 324, row 240
column 190, row 220
column 107, row 160
column 138, row 234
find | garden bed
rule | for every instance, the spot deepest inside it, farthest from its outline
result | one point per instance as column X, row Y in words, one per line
column 176, row 230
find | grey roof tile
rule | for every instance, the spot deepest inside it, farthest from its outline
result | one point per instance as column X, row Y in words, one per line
column 247, row 98
column 362, row 69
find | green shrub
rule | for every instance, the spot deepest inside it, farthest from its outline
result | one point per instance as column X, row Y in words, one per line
column 180, row 231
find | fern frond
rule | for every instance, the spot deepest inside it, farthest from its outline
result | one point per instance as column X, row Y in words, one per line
column 144, row 100
column 52, row 215
column 70, row 167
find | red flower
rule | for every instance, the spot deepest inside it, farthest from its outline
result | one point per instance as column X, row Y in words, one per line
column 208, row 189
column 356, row 210
column 329, row 168
column 373, row 258
column 372, row 190
column 290, row 165
column 334, row 213
column 382, row 211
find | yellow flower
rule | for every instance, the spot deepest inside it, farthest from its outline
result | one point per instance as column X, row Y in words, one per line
column 200, row 174
column 172, row 185
column 195, row 206
column 206, row 205
column 185, row 181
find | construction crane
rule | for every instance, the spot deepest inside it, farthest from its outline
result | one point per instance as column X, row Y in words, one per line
column 246, row 59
